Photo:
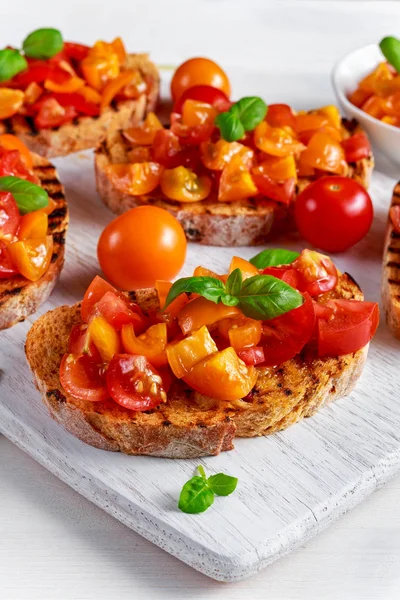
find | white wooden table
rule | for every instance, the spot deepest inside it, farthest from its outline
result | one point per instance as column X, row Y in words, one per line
column 53, row 543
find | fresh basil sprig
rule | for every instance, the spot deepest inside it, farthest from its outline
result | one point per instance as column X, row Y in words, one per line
column 273, row 257
column 198, row 493
column 390, row 48
column 27, row 195
column 11, row 63
column 242, row 116
column 260, row 297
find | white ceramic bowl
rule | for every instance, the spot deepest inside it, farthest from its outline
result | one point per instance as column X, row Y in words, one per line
column 345, row 77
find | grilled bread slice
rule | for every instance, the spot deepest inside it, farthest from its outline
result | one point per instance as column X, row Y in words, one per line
column 190, row 425
column 240, row 223
column 18, row 296
column 86, row 132
column 391, row 272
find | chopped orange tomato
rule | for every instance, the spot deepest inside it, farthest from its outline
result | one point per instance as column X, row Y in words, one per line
column 332, row 112
column 33, row 225
column 374, row 106
column 73, row 84
column 325, row 153
column 200, row 311
column 241, row 332
column 215, row 156
column 32, row 257
column 11, row 142
column 203, row 272
column 176, row 305
column 278, row 141
column 135, row 179
column 144, row 133
column 196, row 113
column 236, row 182
column 114, row 86
column 223, row 376
column 184, row 185
column 10, row 102
column 32, row 93
column 104, row 337
column 139, row 154
column 98, row 70
column 247, row 269
column 381, row 73
column 183, row 355
column 52, row 205
column 90, row 94
column 278, row 168
column 117, row 47
column 150, row 344
column 310, row 121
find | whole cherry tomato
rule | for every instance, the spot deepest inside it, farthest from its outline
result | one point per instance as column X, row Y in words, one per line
column 198, row 71
column 334, row 213
column 140, row 246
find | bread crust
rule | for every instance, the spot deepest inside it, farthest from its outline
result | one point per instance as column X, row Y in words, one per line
column 18, row 296
column 86, row 132
column 240, row 223
column 391, row 272
column 189, row 425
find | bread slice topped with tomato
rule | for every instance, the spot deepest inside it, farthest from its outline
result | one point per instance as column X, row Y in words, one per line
column 33, row 226
column 391, row 266
column 180, row 370
column 60, row 97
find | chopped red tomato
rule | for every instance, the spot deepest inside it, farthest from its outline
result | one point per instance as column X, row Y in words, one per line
column 280, row 115
column 51, row 114
column 78, row 101
column 134, row 383
column 356, row 147
column 11, row 164
column 80, row 343
column 283, row 193
column 204, row 93
column 318, row 273
column 76, row 51
column 395, row 217
column 287, row 273
column 96, row 290
column 9, row 215
column 348, row 329
column 83, row 378
column 119, row 311
column 252, row 356
column 200, row 311
column 7, row 269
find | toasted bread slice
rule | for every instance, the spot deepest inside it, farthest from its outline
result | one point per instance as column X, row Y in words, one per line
column 391, row 272
column 18, row 296
column 190, row 425
column 86, row 132
column 240, row 223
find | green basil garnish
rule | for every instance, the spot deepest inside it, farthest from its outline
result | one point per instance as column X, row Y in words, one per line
column 273, row 258
column 27, row 195
column 242, row 116
column 209, row 287
column 43, row 43
column 230, row 127
column 11, row 63
column 390, row 48
column 198, row 493
column 234, row 282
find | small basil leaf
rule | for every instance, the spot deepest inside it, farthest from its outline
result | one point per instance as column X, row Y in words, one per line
column 195, row 496
column 43, row 43
column 230, row 126
column 229, row 300
column 209, row 287
column 27, row 195
column 234, row 282
column 202, row 472
column 250, row 111
column 390, row 48
column 264, row 297
column 273, row 258
column 11, row 63
column 222, row 484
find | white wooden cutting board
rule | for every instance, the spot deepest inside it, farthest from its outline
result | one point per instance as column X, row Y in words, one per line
column 291, row 485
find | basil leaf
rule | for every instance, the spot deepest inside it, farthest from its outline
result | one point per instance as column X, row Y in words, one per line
column 250, row 111
column 230, row 126
column 390, row 48
column 234, row 282
column 196, row 496
column 222, row 484
column 43, row 43
column 27, row 195
column 229, row 300
column 209, row 287
column 11, row 63
column 273, row 258
column 264, row 297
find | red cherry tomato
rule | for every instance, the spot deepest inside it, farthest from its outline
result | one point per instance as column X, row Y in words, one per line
column 93, row 294
column 280, row 115
column 350, row 327
column 119, row 311
column 204, row 93
column 317, row 273
column 286, row 273
column 356, row 147
column 334, row 213
column 7, row 268
column 134, row 383
column 285, row 336
column 82, row 377
column 199, row 71
column 9, row 214
column 252, row 356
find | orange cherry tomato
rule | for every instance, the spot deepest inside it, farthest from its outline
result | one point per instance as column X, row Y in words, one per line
column 358, row 97
column 279, row 115
column 200, row 311
column 33, row 225
column 278, row 168
column 104, row 337
column 135, row 179
column 73, row 84
column 278, row 141
column 11, row 142
column 223, row 376
column 215, row 156
column 184, row 185
column 198, row 71
column 236, row 182
column 142, row 245
column 374, row 106
column 10, row 102
column 185, row 354
column 114, row 86
column 325, row 153
column 150, row 344
column 32, row 257
column 247, row 269
column 144, row 133
column 196, row 113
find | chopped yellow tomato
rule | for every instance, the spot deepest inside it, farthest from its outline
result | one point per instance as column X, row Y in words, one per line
column 104, row 337
column 236, row 182
column 278, row 141
column 203, row 272
column 10, row 102
column 73, row 84
column 247, row 269
column 183, row 355
column 114, row 86
column 245, row 335
column 33, row 225
column 150, row 344
column 196, row 113
column 176, row 305
column 325, row 153
column 333, row 114
column 278, row 168
column 215, row 156
column 184, row 185
column 135, row 179
column 116, row 47
column 98, row 70
column 144, row 133
column 200, row 311
column 90, row 94
column 32, row 257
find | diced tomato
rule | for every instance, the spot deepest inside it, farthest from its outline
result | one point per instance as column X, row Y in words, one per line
column 80, row 343
column 11, row 142
column 201, row 311
column 134, row 384
column 7, row 269
column 325, row 153
column 285, row 336
column 39, row 71
column 236, row 182
column 93, row 294
column 291, row 276
column 356, row 147
column 78, row 101
column 119, row 312
column 135, row 179
column 280, row 115
column 184, row 185
column 9, row 215
column 192, row 135
column 216, row 156
column 204, row 93
column 350, row 328
column 83, row 378
column 51, row 114
column 11, row 164
column 252, row 356
column 318, row 273
column 76, row 51
column 105, row 337
column 283, row 193
column 32, row 257
column 144, row 133
column 247, row 269
column 166, row 149
column 277, row 141
column 184, row 354
column 395, row 217
column 150, row 344
column 33, row 225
